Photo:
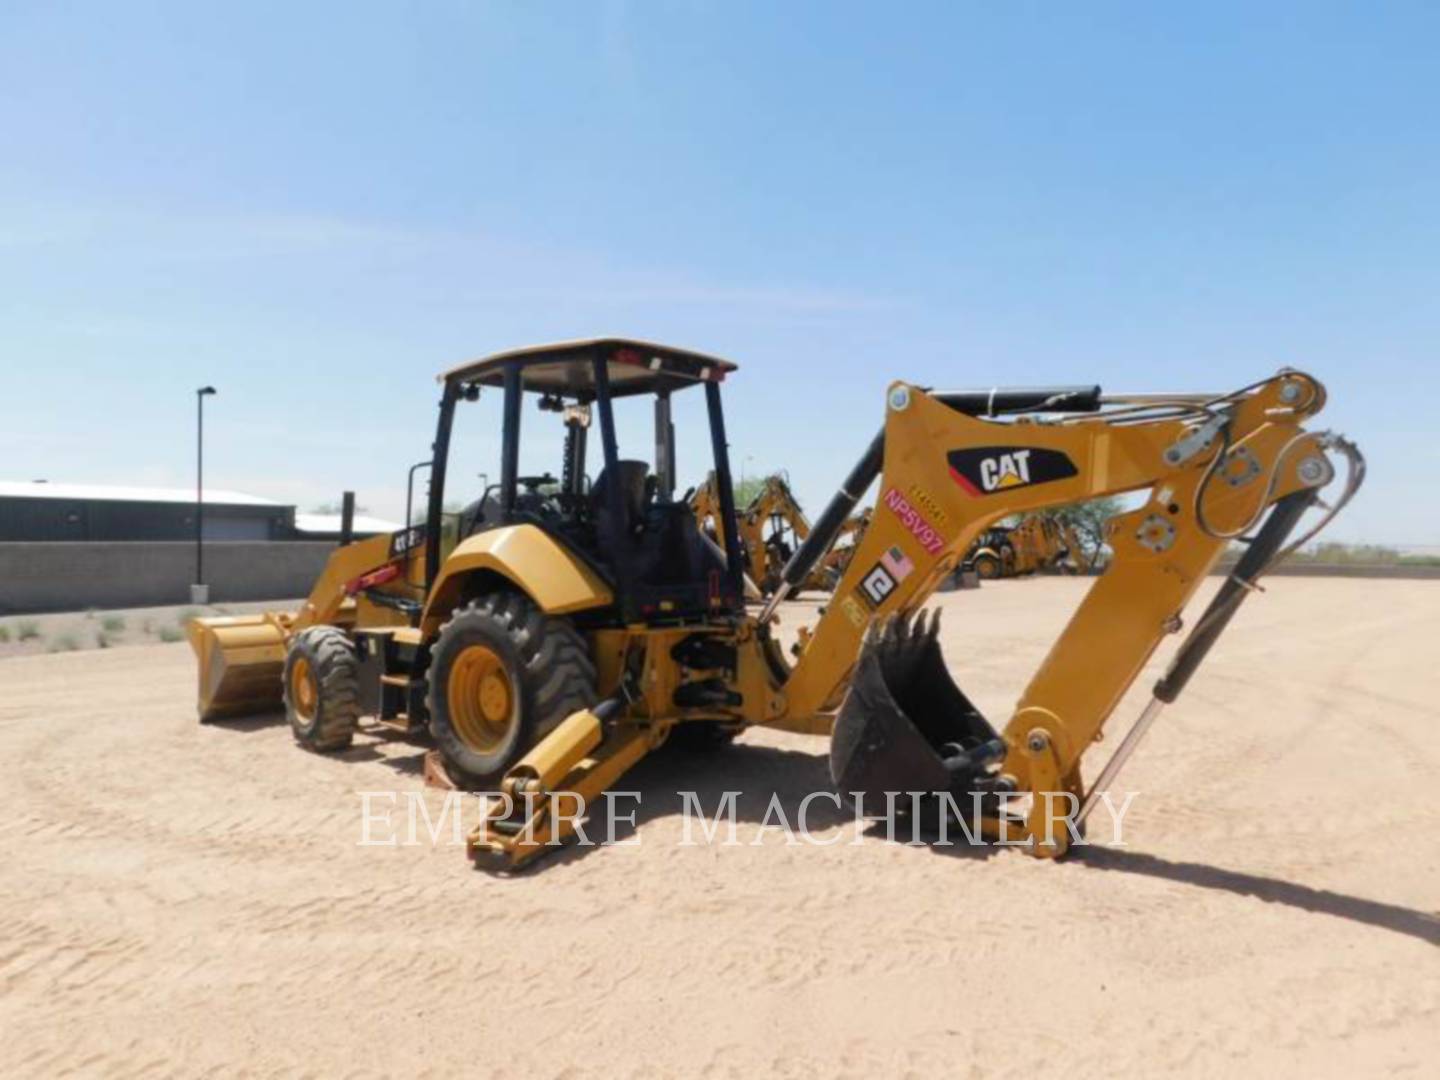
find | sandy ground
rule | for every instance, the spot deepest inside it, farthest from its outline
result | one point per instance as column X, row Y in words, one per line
column 187, row 900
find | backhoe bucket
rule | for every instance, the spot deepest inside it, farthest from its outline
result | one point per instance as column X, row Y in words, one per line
column 905, row 726
column 242, row 659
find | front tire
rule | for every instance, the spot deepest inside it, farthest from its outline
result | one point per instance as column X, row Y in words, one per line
column 322, row 688
column 502, row 675
column 987, row 567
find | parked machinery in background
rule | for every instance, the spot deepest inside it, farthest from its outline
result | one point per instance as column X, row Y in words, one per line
column 771, row 527
column 1038, row 543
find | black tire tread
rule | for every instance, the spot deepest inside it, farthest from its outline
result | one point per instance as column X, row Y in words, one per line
column 336, row 665
column 558, row 674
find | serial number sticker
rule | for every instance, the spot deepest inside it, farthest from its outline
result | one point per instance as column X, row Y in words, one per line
column 923, row 499
column 920, row 528
column 853, row 611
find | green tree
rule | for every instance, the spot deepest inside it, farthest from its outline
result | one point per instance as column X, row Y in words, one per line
column 747, row 489
column 1088, row 519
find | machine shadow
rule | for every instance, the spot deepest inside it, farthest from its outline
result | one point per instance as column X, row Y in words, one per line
column 247, row 724
column 1400, row 920
column 755, row 774
column 366, row 748
column 758, row 774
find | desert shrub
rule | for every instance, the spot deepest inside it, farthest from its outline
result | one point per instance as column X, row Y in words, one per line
column 185, row 615
column 1337, row 553
column 169, row 634
column 4, row 634
column 28, row 630
column 65, row 643
column 113, row 624
column 101, row 641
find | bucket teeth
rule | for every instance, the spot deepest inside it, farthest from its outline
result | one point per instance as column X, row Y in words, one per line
column 905, row 725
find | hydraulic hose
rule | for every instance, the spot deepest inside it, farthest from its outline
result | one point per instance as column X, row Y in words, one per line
column 814, row 546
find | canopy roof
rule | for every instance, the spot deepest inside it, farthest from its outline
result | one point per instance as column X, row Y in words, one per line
column 568, row 368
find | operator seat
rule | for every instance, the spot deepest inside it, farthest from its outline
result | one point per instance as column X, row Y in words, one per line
column 636, row 488
column 656, row 544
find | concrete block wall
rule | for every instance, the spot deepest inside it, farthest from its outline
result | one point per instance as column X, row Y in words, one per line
column 114, row 574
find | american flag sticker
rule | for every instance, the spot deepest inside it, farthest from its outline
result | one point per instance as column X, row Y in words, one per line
column 898, row 563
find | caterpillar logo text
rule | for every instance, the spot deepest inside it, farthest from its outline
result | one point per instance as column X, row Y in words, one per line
column 987, row 469
column 1007, row 470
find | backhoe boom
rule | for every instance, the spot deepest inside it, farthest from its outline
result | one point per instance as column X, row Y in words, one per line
column 951, row 464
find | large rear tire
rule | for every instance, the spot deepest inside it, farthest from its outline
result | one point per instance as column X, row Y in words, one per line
column 502, row 675
column 322, row 688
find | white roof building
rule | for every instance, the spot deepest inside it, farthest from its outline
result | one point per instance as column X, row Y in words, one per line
column 43, row 489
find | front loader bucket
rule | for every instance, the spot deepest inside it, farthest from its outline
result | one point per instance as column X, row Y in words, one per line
column 242, row 658
column 905, row 726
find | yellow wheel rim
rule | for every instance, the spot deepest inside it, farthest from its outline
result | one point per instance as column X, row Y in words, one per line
column 303, row 692
column 481, row 699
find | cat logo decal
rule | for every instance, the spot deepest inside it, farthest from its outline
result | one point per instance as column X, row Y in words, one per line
column 985, row 470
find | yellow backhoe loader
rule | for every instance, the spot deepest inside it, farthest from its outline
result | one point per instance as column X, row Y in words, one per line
column 771, row 527
column 1036, row 544
column 572, row 628
column 842, row 549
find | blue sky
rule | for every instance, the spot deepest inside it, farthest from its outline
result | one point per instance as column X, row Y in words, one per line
column 317, row 207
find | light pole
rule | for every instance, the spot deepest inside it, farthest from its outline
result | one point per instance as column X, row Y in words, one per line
column 199, row 593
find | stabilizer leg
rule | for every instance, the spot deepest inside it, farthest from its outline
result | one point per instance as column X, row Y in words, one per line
column 558, row 783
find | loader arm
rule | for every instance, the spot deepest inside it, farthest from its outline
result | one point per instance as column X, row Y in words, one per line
column 240, row 656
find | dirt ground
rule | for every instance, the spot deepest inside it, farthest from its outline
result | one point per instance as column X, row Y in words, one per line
column 179, row 899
